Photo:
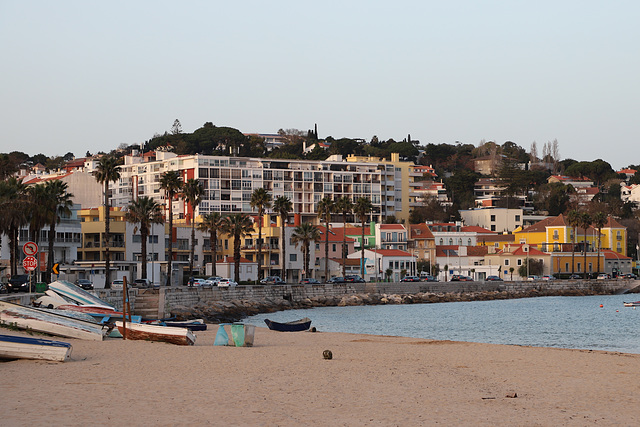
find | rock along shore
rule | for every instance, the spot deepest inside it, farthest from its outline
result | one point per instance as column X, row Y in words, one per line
column 236, row 310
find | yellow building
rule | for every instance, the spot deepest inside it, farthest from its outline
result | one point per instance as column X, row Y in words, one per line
column 397, row 193
column 93, row 239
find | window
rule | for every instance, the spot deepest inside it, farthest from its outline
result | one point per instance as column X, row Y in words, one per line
column 136, row 238
column 506, row 262
column 469, row 242
column 556, row 235
column 579, row 267
column 333, row 247
column 493, row 227
column 566, row 266
column 153, row 238
column 317, row 246
column 293, row 257
column 493, row 218
column 517, row 218
column 519, row 261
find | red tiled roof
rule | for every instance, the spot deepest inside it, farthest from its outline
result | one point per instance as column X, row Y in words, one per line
column 390, row 252
column 392, row 227
column 420, row 231
column 609, row 254
column 229, row 259
column 335, row 234
column 477, row 229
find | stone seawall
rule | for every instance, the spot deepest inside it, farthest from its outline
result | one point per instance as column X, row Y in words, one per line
column 233, row 304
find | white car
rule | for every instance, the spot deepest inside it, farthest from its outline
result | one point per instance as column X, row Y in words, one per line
column 225, row 283
column 213, row 281
column 117, row 285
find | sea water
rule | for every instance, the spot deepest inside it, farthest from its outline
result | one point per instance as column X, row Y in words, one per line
column 589, row 322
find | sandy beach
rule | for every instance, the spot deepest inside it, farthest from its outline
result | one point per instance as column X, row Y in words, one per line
column 283, row 380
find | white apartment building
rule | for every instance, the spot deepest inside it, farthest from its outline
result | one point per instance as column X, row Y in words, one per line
column 493, row 219
column 229, row 182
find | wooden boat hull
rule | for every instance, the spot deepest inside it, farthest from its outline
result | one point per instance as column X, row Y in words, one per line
column 51, row 323
column 295, row 326
column 192, row 325
column 632, row 304
column 18, row 347
column 168, row 334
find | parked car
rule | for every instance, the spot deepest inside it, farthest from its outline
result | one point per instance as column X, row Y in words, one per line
column 533, row 278
column 85, row 284
column 603, row 276
column 142, row 283
column 309, row 281
column 272, row 280
column 225, row 283
column 430, row 279
column 353, row 279
column 337, row 279
column 3, row 288
column 575, row 276
column 117, row 285
column 18, row 283
column 213, row 280
column 461, row 278
column 493, row 279
column 629, row 276
column 410, row 279
column 547, row 278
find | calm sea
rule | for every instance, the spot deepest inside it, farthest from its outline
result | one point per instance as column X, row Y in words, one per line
column 565, row 322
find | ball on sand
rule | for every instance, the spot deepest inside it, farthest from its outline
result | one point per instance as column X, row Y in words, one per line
column 327, row 354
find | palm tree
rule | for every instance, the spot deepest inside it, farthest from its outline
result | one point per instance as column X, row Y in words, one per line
column 585, row 223
column 325, row 208
column 282, row 206
column 304, row 234
column 237, row 225
column 171, row 183
column 59, row 203
column 212, row 223
column 144, row 211
column 573, row 218
column 344, row 206
column 362, row 209
column 192, row 194
column 599, row 220
column 38, row 213
column 261, row 201
column 14, row 204
column 107, row 171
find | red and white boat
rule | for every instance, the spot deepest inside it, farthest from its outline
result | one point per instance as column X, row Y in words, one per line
column 146, row 332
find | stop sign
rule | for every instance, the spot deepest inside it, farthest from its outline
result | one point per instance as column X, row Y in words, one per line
column 30, row 263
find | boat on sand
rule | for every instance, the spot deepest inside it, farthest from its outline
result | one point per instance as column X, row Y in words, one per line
column 19, row 347
column 294, row 326
column 146, row 332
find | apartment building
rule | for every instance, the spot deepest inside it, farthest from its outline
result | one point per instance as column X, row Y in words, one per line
column 229, row 182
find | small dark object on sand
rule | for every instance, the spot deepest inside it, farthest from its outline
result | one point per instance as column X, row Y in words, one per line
column 327, row 354
column 313, row 329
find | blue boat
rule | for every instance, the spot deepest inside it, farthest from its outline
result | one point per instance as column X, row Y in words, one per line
column 295, row 326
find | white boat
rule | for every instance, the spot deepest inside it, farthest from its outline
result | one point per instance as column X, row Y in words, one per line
column 19, row 347
column 51, row 323
column 70, row 293
column 146, row 332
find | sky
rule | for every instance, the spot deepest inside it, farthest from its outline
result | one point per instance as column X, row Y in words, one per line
column 82, row 76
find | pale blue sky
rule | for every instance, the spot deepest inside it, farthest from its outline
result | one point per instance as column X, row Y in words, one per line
column 86, row 75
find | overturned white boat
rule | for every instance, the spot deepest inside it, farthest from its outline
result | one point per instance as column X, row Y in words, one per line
column 51, row 323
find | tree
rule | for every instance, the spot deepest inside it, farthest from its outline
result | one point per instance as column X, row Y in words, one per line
column 344, row 206
column 599, row 220
column 282, row 206
column 212, row 223
column 511, row 269
column 192, row 194
column 59, row 203
column 237, row 225
column 176, row 129
column 144, row 211
column 107, row 171
column 37, row 213
column 171, row 183
column 535, row 267
column 14, row 204
column 261, row 201
column 573, row 219
column 585, row 222
column 325, row 208
column 304, row 234
column 362, row 209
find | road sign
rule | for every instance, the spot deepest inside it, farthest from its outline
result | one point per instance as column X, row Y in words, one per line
column 30, row 263
column 30, row 249
column 56, row 268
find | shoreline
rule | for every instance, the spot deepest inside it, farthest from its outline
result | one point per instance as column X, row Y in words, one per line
column 284, row 380
column 217, row 311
